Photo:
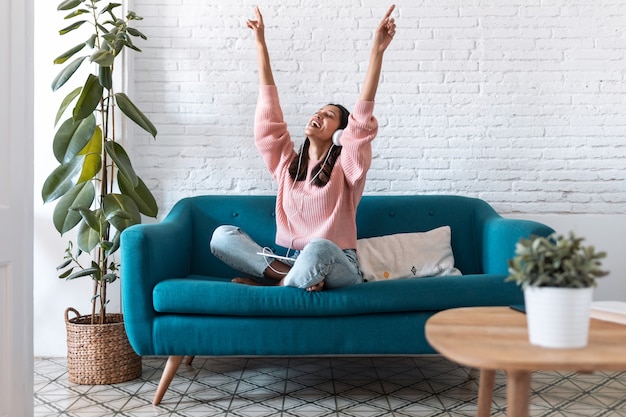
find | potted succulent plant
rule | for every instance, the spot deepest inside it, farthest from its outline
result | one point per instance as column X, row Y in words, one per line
column 95, row 185
column 558, row 275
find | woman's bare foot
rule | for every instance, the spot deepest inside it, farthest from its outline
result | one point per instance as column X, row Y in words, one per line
column 246, row 281
column 316, row 287
column 250, row 281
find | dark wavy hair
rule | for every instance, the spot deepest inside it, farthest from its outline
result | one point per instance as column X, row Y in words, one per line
column 321, row 172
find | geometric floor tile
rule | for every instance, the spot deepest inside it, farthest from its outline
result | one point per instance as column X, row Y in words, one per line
column 319, row 387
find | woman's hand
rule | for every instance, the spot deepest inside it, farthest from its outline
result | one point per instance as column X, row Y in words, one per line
column 385, row 31
column 265, row 68
column 382, row 38
column 257, row 25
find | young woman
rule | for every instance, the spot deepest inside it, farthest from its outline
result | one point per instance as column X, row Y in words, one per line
column 319, row 188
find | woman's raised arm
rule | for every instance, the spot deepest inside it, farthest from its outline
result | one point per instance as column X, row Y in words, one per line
column 382, row 38
column 265, row 69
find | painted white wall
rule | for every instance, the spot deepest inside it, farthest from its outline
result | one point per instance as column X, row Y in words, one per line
column 517, row 102
column 520, row 103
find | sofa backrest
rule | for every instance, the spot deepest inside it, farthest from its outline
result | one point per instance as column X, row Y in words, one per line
column 376, row 216
column 383, row 215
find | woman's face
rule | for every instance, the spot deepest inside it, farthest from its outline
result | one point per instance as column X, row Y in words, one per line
column 323, row 123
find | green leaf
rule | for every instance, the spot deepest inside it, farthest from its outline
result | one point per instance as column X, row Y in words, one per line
column 66, row 273
column 68, row 4
column 105, row 76
column 103, row 57
column 72, row 137
column 110, row 7
column 93, row 219
column 89, row 98
column 67, row 73
column 112, row 265
column 119, row 45
column 65, row 217
column 122, row 161
column 93, row 156
column 116, row 244
column 65, row 104
column 85, row 273
column 97, row 274
column 68, row 54
column 68, row 250
column 87, row 238
column 136, row 33
column 76, row 13
column 140, row 194
column 120, row 210
column 119, row 205
column 129, row 109
column 133, row 16
column 131, row 46
column 109, row 278
column 111, row 36
column 61, row 180
column 72, row 27
column 102, row 28
column 66, row 176
column 91, row 42
column 64, row 264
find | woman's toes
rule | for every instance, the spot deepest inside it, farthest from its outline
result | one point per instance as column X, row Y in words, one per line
column 247, row 281
column 316, row 287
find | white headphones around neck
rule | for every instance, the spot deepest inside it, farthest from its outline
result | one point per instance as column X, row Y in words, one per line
column 337, row 137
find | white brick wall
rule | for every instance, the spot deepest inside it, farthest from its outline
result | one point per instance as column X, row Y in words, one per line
column 519, row 102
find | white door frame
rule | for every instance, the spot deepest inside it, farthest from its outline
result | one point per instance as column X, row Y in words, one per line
column 16, row 208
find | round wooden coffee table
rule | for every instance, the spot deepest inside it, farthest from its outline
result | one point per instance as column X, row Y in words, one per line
column 491, row 338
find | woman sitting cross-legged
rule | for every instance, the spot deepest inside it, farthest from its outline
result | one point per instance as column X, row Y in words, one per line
column 319, row 187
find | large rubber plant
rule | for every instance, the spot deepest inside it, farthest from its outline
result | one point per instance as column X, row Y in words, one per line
column 95, row 186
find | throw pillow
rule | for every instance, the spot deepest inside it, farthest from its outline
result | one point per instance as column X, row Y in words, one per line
column 407, row 255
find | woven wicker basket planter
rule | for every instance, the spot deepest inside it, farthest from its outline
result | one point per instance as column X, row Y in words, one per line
column 99, row 354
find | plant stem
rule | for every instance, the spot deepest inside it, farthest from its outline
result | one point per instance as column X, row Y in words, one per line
column 93, row 302
column 103, row 294
column 112, row 128
column 95, row 22
column 97, row 290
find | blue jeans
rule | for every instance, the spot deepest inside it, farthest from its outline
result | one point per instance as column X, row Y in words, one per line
column 320, row 260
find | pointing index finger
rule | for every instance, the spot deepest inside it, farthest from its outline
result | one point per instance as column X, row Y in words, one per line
column 393, row 6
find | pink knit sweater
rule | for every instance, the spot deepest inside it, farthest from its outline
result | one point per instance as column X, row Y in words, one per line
column 305, row 211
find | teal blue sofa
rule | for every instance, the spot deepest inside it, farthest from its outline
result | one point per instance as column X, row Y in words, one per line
column 178, row 299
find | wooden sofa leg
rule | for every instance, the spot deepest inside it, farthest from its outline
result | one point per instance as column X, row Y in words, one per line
column 173, row 362
column 189, row 360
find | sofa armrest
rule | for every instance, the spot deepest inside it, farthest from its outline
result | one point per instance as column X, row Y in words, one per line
column 500, row 237
column 151, row 253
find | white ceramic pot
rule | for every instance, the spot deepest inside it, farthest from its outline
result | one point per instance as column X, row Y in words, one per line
column 558, row 317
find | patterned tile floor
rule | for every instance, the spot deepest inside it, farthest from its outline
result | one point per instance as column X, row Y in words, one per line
column 320, row 387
